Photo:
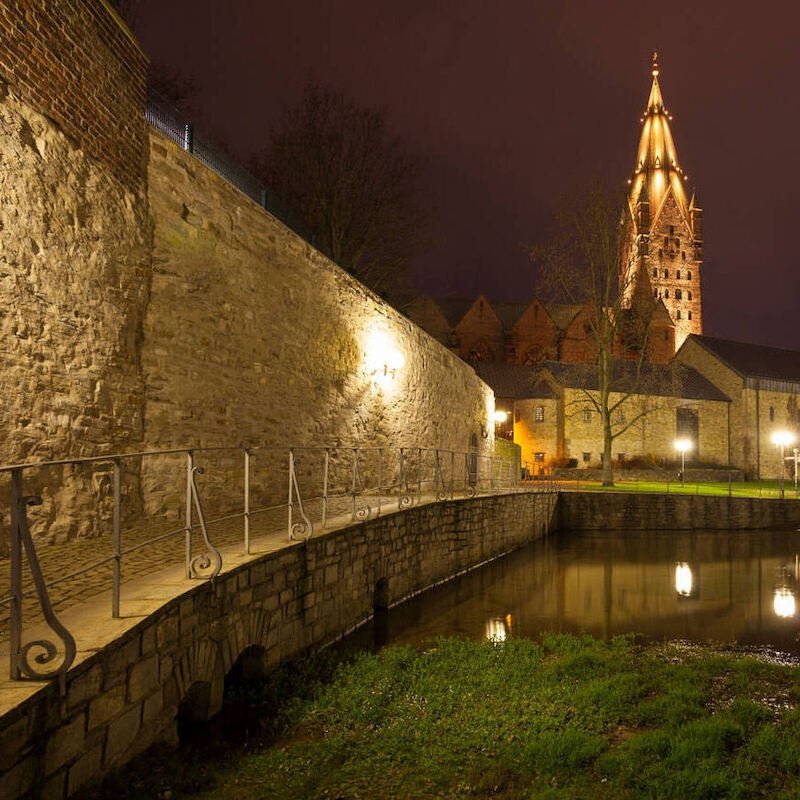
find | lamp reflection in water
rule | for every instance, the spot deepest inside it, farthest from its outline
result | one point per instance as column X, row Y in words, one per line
column 784, row 600
column 684, row 580
column 498, row 629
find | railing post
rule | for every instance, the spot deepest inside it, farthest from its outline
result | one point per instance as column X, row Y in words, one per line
column 246, row 501
column 188, row 537
column 419, row 475
column 188, row 137
column 355, row 475
column 15, row 560
column 117, row 545
column 325, row 487
column 289, row 500
column 380, row 478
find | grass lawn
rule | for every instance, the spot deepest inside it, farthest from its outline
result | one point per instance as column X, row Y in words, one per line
column 570, row 717
column 770, row 489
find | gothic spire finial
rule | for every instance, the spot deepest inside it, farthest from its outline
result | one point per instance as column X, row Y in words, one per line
column 655, row 63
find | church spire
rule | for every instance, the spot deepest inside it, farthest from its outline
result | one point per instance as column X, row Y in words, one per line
column 657, row 168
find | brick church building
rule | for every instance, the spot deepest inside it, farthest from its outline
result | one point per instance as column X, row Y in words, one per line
column 540, row 358
column 660, row 260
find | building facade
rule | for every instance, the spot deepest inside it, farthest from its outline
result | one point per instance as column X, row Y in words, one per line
column 763, row 384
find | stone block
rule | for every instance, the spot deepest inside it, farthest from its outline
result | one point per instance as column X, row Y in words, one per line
column 107, row 706
column 167, row 631
column 19, row 779
column 121, row 733
column 13, row 741
column 143, row 678
column 118, row 661
column 85, row 769
column 65, row 743
column 85, row 686
column 55, row 787
column 152, row 706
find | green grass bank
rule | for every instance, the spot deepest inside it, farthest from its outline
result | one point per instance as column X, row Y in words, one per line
column 568, row 717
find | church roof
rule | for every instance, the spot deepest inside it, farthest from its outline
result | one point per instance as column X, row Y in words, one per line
column 754, row 360
column 514, row 381
column 657, row 168
column 655, row 379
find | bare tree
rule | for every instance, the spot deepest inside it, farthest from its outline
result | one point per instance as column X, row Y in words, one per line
column 581, row 266
column 337, row 167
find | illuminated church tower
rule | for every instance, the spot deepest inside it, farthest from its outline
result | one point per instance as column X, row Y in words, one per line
column 663, row 234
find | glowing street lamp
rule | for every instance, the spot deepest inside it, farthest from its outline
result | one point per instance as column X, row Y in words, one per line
column 782, row 439
column 683, row 446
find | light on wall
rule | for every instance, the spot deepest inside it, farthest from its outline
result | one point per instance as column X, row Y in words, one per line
column 382, row 358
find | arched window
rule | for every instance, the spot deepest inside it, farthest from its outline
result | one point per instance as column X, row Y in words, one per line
column 666, row 273
column 690, row 315
column 689, row 295
column 666, row 293
column 683, row 255
column 678, row 274
column 689, row 275
column 655, row 272
column 678, row 315
column 678, row 294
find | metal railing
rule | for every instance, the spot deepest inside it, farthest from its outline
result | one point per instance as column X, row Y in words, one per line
column 323, row 488
column 175, row 125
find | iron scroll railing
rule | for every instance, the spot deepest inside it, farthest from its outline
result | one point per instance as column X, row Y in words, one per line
column 322, row 488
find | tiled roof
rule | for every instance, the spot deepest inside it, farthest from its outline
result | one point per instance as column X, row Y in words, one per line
column 754, row 360
column 514, row 381
column 655, row 379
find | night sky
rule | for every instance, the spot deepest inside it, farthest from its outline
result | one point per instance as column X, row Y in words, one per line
column 511, row 104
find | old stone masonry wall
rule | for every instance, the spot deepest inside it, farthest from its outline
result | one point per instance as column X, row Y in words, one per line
column 253, row 336
column 75, row 245
column 227, row 329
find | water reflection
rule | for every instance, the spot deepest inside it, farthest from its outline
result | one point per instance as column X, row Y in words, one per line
column 683, row 579
column 676, row 585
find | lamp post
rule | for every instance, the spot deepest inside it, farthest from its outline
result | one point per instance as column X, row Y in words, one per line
column 782, row 439
column 683, row 446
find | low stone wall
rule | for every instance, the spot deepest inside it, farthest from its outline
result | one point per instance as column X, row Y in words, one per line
column 124, row 697
column 641, row 511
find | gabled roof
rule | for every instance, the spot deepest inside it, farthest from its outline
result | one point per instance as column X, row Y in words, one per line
column 509, row 313
column 454, row 308
column 514, row 381
column 563, row 315
column 753, row 360
column 655, row 379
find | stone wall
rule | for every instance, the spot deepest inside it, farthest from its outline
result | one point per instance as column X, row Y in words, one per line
column 125, row 696
column 639, row 511
column 253, row 336
column 76, row 62
column 75, row 241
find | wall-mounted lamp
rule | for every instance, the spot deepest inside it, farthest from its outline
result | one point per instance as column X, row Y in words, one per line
column 382, row 358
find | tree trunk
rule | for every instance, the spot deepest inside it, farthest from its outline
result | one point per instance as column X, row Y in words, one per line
column 608, row 470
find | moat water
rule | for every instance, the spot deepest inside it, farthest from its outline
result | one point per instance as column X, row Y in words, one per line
column 724, row 587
